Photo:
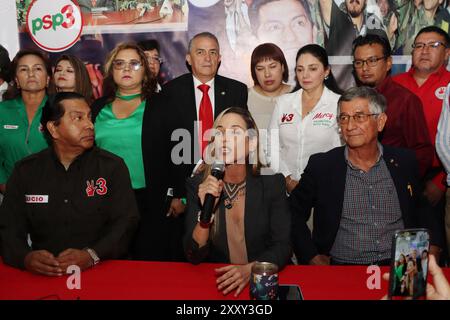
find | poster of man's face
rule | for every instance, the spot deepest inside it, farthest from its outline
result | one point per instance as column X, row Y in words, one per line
column 242, row 25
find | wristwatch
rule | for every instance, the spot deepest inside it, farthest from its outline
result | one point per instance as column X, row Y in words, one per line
column 94, row 256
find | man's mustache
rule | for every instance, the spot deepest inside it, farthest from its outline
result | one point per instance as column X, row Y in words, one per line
column 357, row 1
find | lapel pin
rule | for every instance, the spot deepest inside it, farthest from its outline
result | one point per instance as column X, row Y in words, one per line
column 222, row 93
column 409, row 187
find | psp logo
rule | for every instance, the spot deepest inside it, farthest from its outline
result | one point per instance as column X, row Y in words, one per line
column 54, row 25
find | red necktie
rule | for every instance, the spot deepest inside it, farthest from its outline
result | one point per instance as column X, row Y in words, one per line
column 205, row 116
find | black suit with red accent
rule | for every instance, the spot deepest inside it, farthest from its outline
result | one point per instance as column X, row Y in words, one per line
column 179, row 97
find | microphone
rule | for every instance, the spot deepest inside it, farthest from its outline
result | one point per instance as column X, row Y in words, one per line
column 217, row 171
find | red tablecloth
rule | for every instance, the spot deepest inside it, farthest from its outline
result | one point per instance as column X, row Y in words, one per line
column 162, row 280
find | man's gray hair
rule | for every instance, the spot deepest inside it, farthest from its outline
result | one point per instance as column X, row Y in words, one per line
column 203, row 35
column 377, row 102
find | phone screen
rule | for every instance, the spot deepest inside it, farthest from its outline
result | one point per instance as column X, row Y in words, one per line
column 409, row 269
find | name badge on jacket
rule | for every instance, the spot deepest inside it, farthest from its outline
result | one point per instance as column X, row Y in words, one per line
column 10, row 127
column 36, row 198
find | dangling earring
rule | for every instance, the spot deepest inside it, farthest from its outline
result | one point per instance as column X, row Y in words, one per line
column 326, row 78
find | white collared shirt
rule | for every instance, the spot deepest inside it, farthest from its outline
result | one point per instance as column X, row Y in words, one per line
column 293, row 138
column 199, row 94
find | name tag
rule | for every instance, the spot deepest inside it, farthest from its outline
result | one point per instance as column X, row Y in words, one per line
column 10, row 127
column 36, row 198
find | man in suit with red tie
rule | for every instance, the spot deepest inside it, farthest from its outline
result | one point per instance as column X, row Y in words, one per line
column 188, row 106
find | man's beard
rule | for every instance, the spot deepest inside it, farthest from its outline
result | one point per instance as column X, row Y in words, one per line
column 354, row 13
column 370, row 84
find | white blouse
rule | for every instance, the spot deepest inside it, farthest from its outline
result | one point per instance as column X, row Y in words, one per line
column 293, row 138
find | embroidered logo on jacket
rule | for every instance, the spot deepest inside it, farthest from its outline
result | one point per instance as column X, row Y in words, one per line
column 98, row 187
column 440, row 93
column 287, row 117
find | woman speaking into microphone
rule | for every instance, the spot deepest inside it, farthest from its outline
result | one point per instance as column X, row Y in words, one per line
column 250, row 218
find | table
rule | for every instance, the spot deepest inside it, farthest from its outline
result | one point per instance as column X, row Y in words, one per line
column 137, row 280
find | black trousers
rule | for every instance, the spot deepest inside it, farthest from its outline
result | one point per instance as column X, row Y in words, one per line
column 158, row 238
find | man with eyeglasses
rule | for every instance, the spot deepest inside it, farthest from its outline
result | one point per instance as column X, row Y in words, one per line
column 415, row 15
column 152, row 52
column 428, row 78
column 341, row 24
column 361, row 192
column 405, row 126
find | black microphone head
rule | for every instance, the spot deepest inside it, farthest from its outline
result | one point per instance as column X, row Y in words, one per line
column 217, row 169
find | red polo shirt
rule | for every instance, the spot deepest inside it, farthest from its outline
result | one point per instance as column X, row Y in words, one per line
column 431, row 93
column 406, row 125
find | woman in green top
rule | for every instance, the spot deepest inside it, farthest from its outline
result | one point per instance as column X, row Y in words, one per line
column 20, row 112
column 400, row 268
column 118, row 116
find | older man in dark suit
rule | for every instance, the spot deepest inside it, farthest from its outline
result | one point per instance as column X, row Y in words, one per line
column 361, row 193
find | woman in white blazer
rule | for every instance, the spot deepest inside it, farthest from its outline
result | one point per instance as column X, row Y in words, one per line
column 304, row 122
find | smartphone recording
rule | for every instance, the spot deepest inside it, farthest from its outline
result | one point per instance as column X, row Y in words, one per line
column 409, row 269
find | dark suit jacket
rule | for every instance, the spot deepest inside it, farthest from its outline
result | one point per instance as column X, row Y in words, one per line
column 322, row 187
column 267, row 223
column 181, row 113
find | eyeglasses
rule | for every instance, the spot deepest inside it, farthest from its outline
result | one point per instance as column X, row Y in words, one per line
column 155, row 59
column 121, row 64
column 371, row 62
column 358, row 117
column 434, row 45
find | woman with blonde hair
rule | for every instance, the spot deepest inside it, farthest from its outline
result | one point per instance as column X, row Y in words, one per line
column 251, row 220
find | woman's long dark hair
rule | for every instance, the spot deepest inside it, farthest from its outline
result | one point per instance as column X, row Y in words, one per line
column 320, row 53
